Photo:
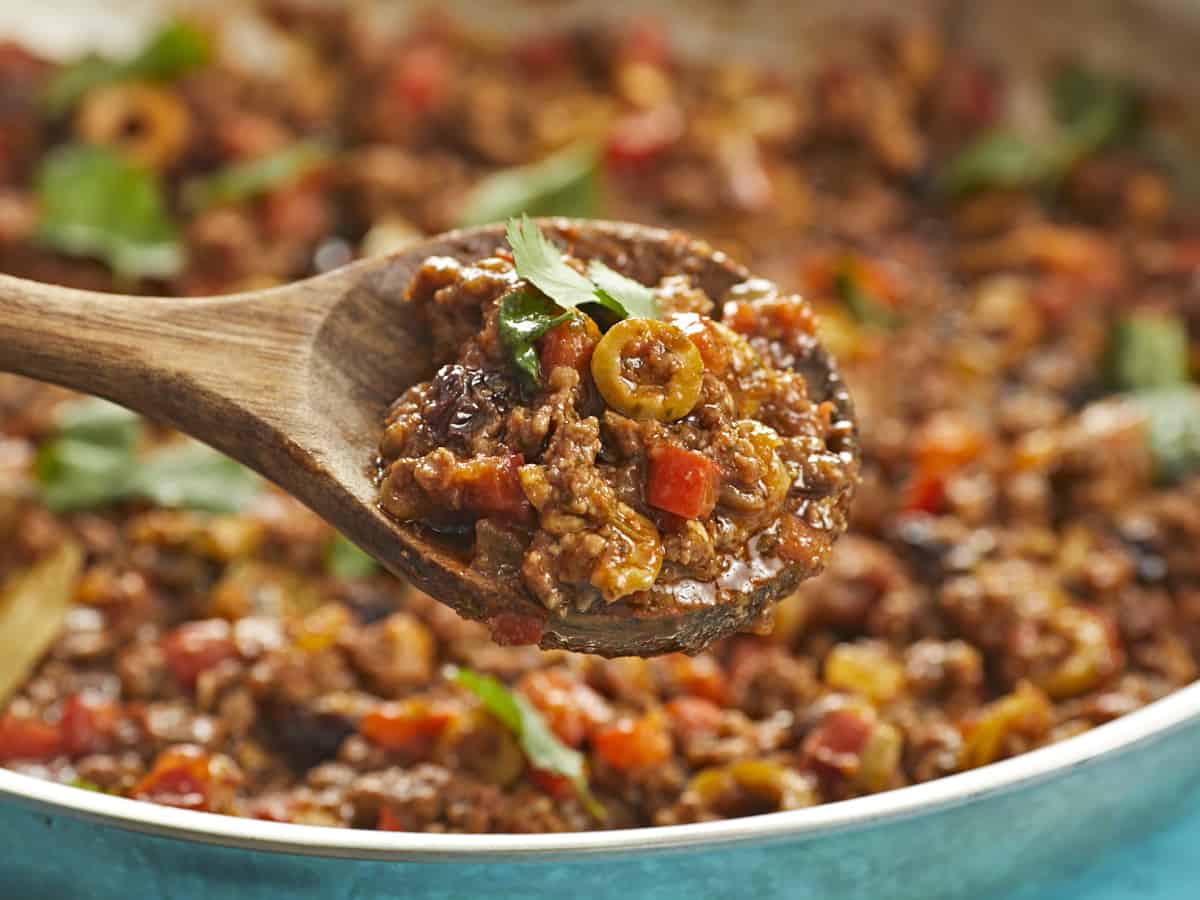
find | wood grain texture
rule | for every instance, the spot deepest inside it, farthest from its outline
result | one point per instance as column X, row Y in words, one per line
column 295, row 383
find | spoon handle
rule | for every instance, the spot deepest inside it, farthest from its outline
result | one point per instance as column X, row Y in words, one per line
column 221, row 368
column 103, row 344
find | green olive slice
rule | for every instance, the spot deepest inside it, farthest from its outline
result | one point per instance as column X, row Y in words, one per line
column 648, row 369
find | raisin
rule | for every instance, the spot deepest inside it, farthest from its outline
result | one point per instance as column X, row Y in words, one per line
column 462, row 401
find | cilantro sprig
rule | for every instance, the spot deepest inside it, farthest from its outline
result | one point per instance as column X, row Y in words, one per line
column 93, row 460
column 1172, row 429
column 541, row 747
column 1092, row 110
column 527, row 314
column 1148, row 359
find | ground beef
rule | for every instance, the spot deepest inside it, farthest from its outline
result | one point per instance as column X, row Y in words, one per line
column 611, row 510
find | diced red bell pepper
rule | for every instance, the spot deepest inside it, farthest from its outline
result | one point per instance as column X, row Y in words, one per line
column 926, row 492
column 634, row 743
column 88, row 724
column 195, row 647
column 640, row 138
column 836, row 744
column 181, row 776
column 570, row 344
column 28, row 739
column 682, row 482
column 699, row 676
column 693, row 716
column 491, row 486
column 560, row 787
column 388, row 820
column 408, row 726
column 714, row 349
column 786, row 319
column 420, row 79
column 947, row 441
column 571, row 708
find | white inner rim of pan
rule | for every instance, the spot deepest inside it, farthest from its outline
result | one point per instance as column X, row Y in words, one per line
column 1153, row 721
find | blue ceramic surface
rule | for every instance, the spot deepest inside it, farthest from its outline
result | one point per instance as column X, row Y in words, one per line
column 1027, row 828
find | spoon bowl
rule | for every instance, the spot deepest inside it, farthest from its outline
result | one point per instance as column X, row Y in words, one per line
column 295, row 382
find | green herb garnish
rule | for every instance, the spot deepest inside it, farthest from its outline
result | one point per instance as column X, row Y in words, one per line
column 93, row 460
column 866, row 309
column 998, row 158
column 1092, row 111
column 346, row 560
column 84, row 785
column 541, row 263
column 174, row 50
column 193, row 476
column 1096, row 109
column 96, row 204
column 525, row 316
column 542, row 748
column 1173, row 429
column 636, row 299
column 1147, row 350
column 246, row 180
column 565, row 184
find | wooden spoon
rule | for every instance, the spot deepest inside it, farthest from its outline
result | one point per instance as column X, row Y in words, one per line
column 295, row 382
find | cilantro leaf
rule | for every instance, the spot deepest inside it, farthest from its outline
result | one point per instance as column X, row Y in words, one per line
column 542, row 748
column 81, row 474
column 1172, row 429
column 564, row 184
column 96, row 204
column 1092, row 110
column 193, row 476
column 541, row 263
column 866, row 309
column 99, row 421
column 93, row 460
column 524, row 319
column 1096, row 109
column 636, row 299
column 174, row 50
column 997, row 158
column 1147, row 350
column 526, row 315
column 345, row 560
column 245, row 180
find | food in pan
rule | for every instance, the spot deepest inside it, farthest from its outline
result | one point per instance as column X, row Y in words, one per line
column 1014, row 312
